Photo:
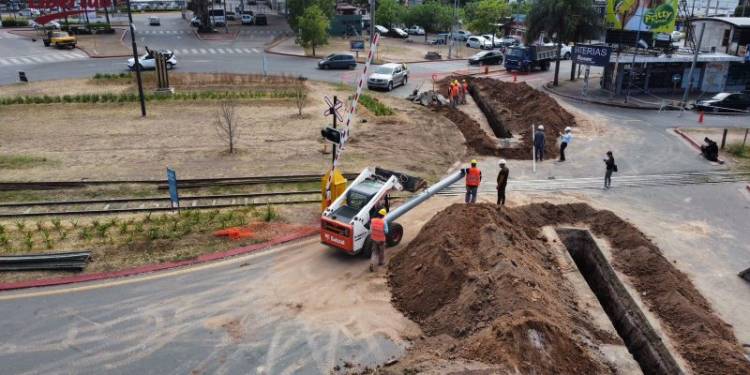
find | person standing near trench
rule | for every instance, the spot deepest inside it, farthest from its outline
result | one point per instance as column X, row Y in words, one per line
column 502, row 182
column 609, row 162
column 473, row 178
column 539, row 143
column 565, row 140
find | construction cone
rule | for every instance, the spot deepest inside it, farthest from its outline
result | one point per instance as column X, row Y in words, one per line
column 515, row 76
column 700, row 117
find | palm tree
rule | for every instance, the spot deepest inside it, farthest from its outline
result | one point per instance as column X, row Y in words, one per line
column 564, row 20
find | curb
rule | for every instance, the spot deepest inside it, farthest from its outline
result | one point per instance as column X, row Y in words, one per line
column 695, row 144
column 299, row 234
column 234, row 37
column 555, row 92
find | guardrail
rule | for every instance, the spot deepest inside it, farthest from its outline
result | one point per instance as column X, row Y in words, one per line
column 72, row 261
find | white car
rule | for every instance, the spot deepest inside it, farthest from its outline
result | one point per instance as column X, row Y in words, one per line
column 566, row 51
column 51, row 25
column 381, row 29
column 148, row 61
column 415, row 30
column 387, row 76
column 480, row 42
column 247, row 19
column 494, row 39
column 677, row 36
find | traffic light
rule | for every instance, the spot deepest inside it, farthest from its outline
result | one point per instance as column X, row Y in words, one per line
column 331, row 135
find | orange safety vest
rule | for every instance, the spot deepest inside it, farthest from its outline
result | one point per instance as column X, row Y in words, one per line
column 377, row 227
column 466, row 87
column 473, row 176
column 454, row 90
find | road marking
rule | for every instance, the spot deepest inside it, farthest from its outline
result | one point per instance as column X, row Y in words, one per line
column 57, row 57
column 247, row 50
column 193, row 50
column 211, row 50
column 48, row 58
column 221, row 51
column 238, row 50
column 37, row 59
column 161, row 275
column 229, row 50
column 26, row 60
column 256, row 50
column 13, row 61
column 4, row 62
column 203, row 51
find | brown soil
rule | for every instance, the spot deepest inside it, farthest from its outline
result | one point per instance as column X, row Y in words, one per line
column 478, row 139
column 488, row 280
column 516, row 107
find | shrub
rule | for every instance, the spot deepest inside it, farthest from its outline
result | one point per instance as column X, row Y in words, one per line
column 375, row 106
column 738, row 150
column 15, row 22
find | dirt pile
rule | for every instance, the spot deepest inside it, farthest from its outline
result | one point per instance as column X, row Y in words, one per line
column 488, row 280
column 477, row 139
column 474, row 275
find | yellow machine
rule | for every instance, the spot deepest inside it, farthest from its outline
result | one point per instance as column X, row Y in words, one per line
column 59, row 39
column 338, row 186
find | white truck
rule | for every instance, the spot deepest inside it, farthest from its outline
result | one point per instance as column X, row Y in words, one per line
column 345, row 224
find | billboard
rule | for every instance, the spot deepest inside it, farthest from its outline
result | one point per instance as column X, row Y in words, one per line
column 646, row 15
column 585, row 54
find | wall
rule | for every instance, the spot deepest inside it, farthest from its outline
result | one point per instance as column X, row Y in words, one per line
column 713, row 35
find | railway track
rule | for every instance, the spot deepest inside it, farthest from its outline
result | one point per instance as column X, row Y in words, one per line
column 152, row 204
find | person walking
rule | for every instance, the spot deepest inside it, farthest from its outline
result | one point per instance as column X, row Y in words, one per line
column 454, row 94
column 502, row 182
column 473, row 178
column 465, row 91
column 378, row 231
column 609, row 161
column 539, row 143
column 565, row 139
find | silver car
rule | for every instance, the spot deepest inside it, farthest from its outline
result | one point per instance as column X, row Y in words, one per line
column 388, row 76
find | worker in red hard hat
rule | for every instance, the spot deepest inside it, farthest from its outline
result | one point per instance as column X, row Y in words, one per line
column 464, row 91
column 473, row 178
column 378, row 231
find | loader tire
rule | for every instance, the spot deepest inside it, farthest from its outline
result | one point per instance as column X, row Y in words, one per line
column 395, row 234
column 366, row 251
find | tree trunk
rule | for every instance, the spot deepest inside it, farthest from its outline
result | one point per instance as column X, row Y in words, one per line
column 313, row 48
column 557, row 63
column 106, row 15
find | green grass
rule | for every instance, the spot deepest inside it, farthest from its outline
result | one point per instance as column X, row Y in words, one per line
column 21, row 161
column 738, row 150
column 131, row 97
column 375, row 106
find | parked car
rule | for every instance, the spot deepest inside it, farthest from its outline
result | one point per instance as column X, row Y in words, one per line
column 195, row 21
column 154, row 21
column 486, row 58
column 337, row 61
column 59, row 39
column 387, row 76
column 247, row 19
column 508, row 41
column 382, row 30
column 260, row 19
column 724, row 102
column 478, row 42
column 51, row 25
column 677, row 36
column 494, row 39
column 395, row 32
column 148, row 61
column 565, row 51
column 217, row 17
column 415, row 30
column 461, row 35
column 231, row 16
column 440, row 40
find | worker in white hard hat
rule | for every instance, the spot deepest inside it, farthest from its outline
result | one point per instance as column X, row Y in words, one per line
column 539, row 143
column 473, row 178
column 378, row 232
column 565, row 138
column 502, row 182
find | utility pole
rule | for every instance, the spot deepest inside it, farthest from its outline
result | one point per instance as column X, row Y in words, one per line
column 226, row 24
column 692, row 68
column 372, row 22
column 137, row 62
column 452, row 31
column 637, row 44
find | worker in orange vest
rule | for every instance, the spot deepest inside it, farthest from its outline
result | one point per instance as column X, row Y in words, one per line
column 473, row 178
column 465, row 91
column 378, row 231
column 454, row 94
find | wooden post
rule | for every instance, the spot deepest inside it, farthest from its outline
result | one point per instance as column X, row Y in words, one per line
column 744, row 141
column 724, row 138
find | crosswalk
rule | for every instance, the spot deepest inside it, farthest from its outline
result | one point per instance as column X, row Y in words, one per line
column 252, row 31
column 8, row 36
column 217, row 51
column 258, row 31
column 43, row 59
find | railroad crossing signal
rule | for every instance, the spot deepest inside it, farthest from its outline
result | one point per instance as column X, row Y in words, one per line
column 333, row 108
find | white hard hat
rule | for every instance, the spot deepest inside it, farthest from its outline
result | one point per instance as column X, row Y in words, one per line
column 567, row 129
column 502, row 161
column 540, row 127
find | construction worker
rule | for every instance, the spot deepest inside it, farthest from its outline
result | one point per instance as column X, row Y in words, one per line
column 473, row 178
column 453, row 93
column 465, row 91
column 502, row 182
column 378, row 231
column 539, row 143
column 565, row 140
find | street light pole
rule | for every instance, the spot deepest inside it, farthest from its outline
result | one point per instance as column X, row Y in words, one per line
column 137, row 62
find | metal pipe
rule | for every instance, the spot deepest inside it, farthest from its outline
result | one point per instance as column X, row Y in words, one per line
column 421, row 197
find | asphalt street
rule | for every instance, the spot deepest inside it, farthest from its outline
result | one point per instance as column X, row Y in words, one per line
column 161, row 324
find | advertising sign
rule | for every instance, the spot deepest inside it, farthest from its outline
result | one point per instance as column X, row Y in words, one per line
column 585, row 54
column 646, row 15
column 357, row 45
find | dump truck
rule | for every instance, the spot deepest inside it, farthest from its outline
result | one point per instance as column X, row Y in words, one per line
column 345, row 224
column 526, row 58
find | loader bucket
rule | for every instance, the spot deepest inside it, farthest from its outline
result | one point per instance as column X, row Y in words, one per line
column 745, row 275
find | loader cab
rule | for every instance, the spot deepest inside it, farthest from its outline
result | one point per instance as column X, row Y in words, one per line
column 356, row 199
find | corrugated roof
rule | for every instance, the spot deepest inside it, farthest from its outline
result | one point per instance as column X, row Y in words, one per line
column 683, row 58
column 736, row 21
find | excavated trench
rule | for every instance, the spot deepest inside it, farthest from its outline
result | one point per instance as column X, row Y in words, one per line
column 631, row 324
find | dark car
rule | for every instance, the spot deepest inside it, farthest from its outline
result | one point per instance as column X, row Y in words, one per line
column 486, row 58
column 260, row 19
column 724, row 101
column 337, row 61
column 395, row 32
column 231, row 16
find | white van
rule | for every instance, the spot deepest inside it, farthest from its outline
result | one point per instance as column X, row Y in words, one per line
column 217, row 17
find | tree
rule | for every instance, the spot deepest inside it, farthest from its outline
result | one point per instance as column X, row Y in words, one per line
column 389, row 13
column 742, row 10
column 227, row 126
column 297, row 9
column 300, row 94
column 313, row 26
column 485, row 15
column 200, row 9
column 432, row 16
column 561, row 20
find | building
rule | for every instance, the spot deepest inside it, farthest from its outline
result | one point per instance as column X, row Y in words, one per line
column 730, row 35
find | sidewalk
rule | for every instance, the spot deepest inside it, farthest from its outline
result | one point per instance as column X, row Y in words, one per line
column 637, row 100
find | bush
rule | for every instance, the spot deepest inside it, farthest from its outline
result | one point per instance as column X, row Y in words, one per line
column 17, row 22
column 738, row 150
column 375, row 106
